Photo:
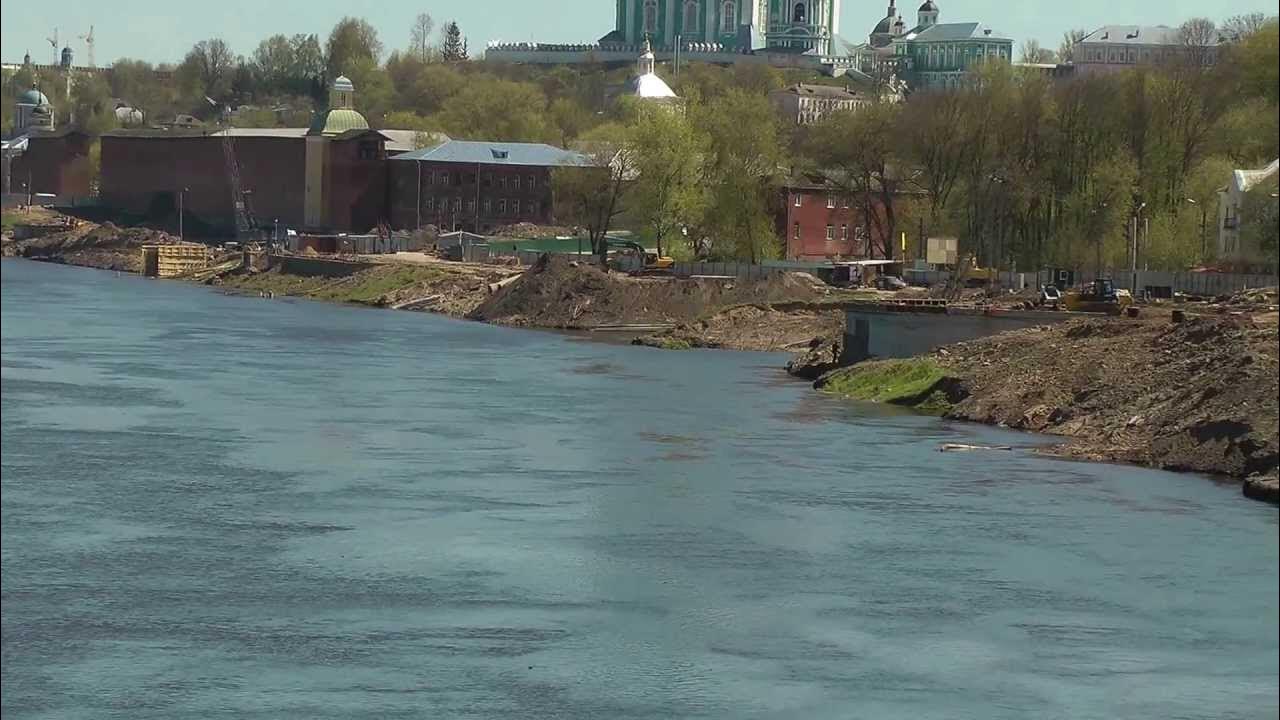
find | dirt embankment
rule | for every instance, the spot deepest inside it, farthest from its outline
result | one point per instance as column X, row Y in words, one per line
column 449, row 289
column 1197, row 396
column 106, row 246
column 756, row 315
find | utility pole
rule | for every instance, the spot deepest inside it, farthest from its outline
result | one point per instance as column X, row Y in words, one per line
column 418, row 205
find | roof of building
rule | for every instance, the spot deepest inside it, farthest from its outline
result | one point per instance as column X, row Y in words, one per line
column 928, row 6
column 33, row 97
column 650, row 85
column 829, row 91
column 401, row 141
column 263, row 132
column 475, row 152
column 337, row 121
column 883, row 27
column 342, row 82
column 952, row 32
column 1134, row 35
column 1246, row 179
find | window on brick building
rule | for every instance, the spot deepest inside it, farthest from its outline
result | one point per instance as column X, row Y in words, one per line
column 844, row 232
column 831, row 201
column 488, row 180
column 831, row 233
column 533, row 181
column 431, row 203
column 796, row 231
column 515, row 182
column 502, row 181
column 471, row 206
column 457, row 204
column 488, row 206
column 798, row 199
column 844, row 202
column 444, row 178
column 502, row 207
column 428, row 178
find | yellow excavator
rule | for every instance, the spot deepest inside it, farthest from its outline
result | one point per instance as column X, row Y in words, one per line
column 1100, row 296
column 653, row 264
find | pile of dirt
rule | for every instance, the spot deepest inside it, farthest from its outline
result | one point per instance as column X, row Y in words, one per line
column 1196, row 396
column 754, row 327
column 106, row 246
column 559, row 293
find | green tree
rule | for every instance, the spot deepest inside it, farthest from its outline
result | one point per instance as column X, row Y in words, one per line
column 594, row 195
column 206, row 70
column 350, row 41
column 454, row 49
column 667, row 153
column 273, row 62
column 1031, row 52
column 91, row 104
column 742, row 174
column 497, row 110
column 569, row 119
column 1067, row 48
column 374, row 93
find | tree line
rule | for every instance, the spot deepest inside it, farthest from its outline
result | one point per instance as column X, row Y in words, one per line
column 1025, row 170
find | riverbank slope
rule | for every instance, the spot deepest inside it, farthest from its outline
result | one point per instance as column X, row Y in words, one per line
column 1197, row 396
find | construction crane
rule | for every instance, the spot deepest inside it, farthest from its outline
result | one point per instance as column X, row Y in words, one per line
column 88, row 45
column 239, row 197
column 54, row 42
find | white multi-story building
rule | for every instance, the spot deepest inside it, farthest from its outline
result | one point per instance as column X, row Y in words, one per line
column 1116, row 47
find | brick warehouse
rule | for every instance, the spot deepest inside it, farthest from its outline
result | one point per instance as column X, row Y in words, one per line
column 476, row 186
column 55, row 162
column 143, row 172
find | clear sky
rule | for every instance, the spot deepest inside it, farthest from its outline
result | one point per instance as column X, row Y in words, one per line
column 160, row 31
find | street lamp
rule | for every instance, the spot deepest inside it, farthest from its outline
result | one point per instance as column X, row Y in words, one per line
column 1204, row 224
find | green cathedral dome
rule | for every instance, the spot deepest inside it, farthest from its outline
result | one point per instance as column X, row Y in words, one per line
column 337, row 121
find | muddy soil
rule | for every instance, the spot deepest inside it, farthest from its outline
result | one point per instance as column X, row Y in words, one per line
column 762, row 327
column 558, row 293
column 106, row 246
column 1196, row 396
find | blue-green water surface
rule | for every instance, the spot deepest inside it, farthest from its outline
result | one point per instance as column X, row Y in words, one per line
column 219, row 506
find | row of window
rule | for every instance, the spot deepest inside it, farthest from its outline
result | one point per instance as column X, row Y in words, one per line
column 487, row 205
column 931, row 56
column 1131, row 56
column 505, row 182
column 831, row 232
column 798, row 201
column 728, row 16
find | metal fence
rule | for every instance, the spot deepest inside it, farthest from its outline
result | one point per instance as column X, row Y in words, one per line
column 1149, row 282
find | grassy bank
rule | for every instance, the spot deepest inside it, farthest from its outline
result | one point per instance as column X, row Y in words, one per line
column 917, row 383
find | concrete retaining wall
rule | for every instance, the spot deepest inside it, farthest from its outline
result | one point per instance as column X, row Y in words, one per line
column 873, row 334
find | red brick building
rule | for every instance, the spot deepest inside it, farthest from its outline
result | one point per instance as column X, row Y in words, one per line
column 820, row 224
column 143, row 172
column 55, row 162
column 475, row 186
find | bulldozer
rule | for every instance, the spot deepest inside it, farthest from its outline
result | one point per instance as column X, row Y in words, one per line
column 652, row 263
column 1100, row 296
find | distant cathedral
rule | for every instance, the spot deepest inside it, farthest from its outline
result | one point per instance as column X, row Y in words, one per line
column 794, row 26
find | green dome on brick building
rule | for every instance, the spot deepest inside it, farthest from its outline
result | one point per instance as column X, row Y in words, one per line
column 341, row 115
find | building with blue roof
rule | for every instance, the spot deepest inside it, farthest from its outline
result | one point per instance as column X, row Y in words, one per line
column 476, row 186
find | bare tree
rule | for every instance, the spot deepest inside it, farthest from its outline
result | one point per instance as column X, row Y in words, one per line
column 420, row 37
column 1239, row 27
column 1067, row 50
column 1031, row 52
column 1199, row 37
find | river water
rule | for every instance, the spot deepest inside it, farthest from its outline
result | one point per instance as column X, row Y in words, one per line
column 220, row 506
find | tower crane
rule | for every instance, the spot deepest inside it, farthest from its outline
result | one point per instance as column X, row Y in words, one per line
column 88, row 44
column 54, row 42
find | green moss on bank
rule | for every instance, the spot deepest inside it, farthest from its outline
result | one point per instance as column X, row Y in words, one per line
column 915, row 383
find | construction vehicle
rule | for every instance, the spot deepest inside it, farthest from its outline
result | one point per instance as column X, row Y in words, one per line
column 1050, row 297
column 651, row 263
column 1100, row 296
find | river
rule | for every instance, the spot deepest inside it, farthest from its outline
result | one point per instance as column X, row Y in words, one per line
column 219, row 506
